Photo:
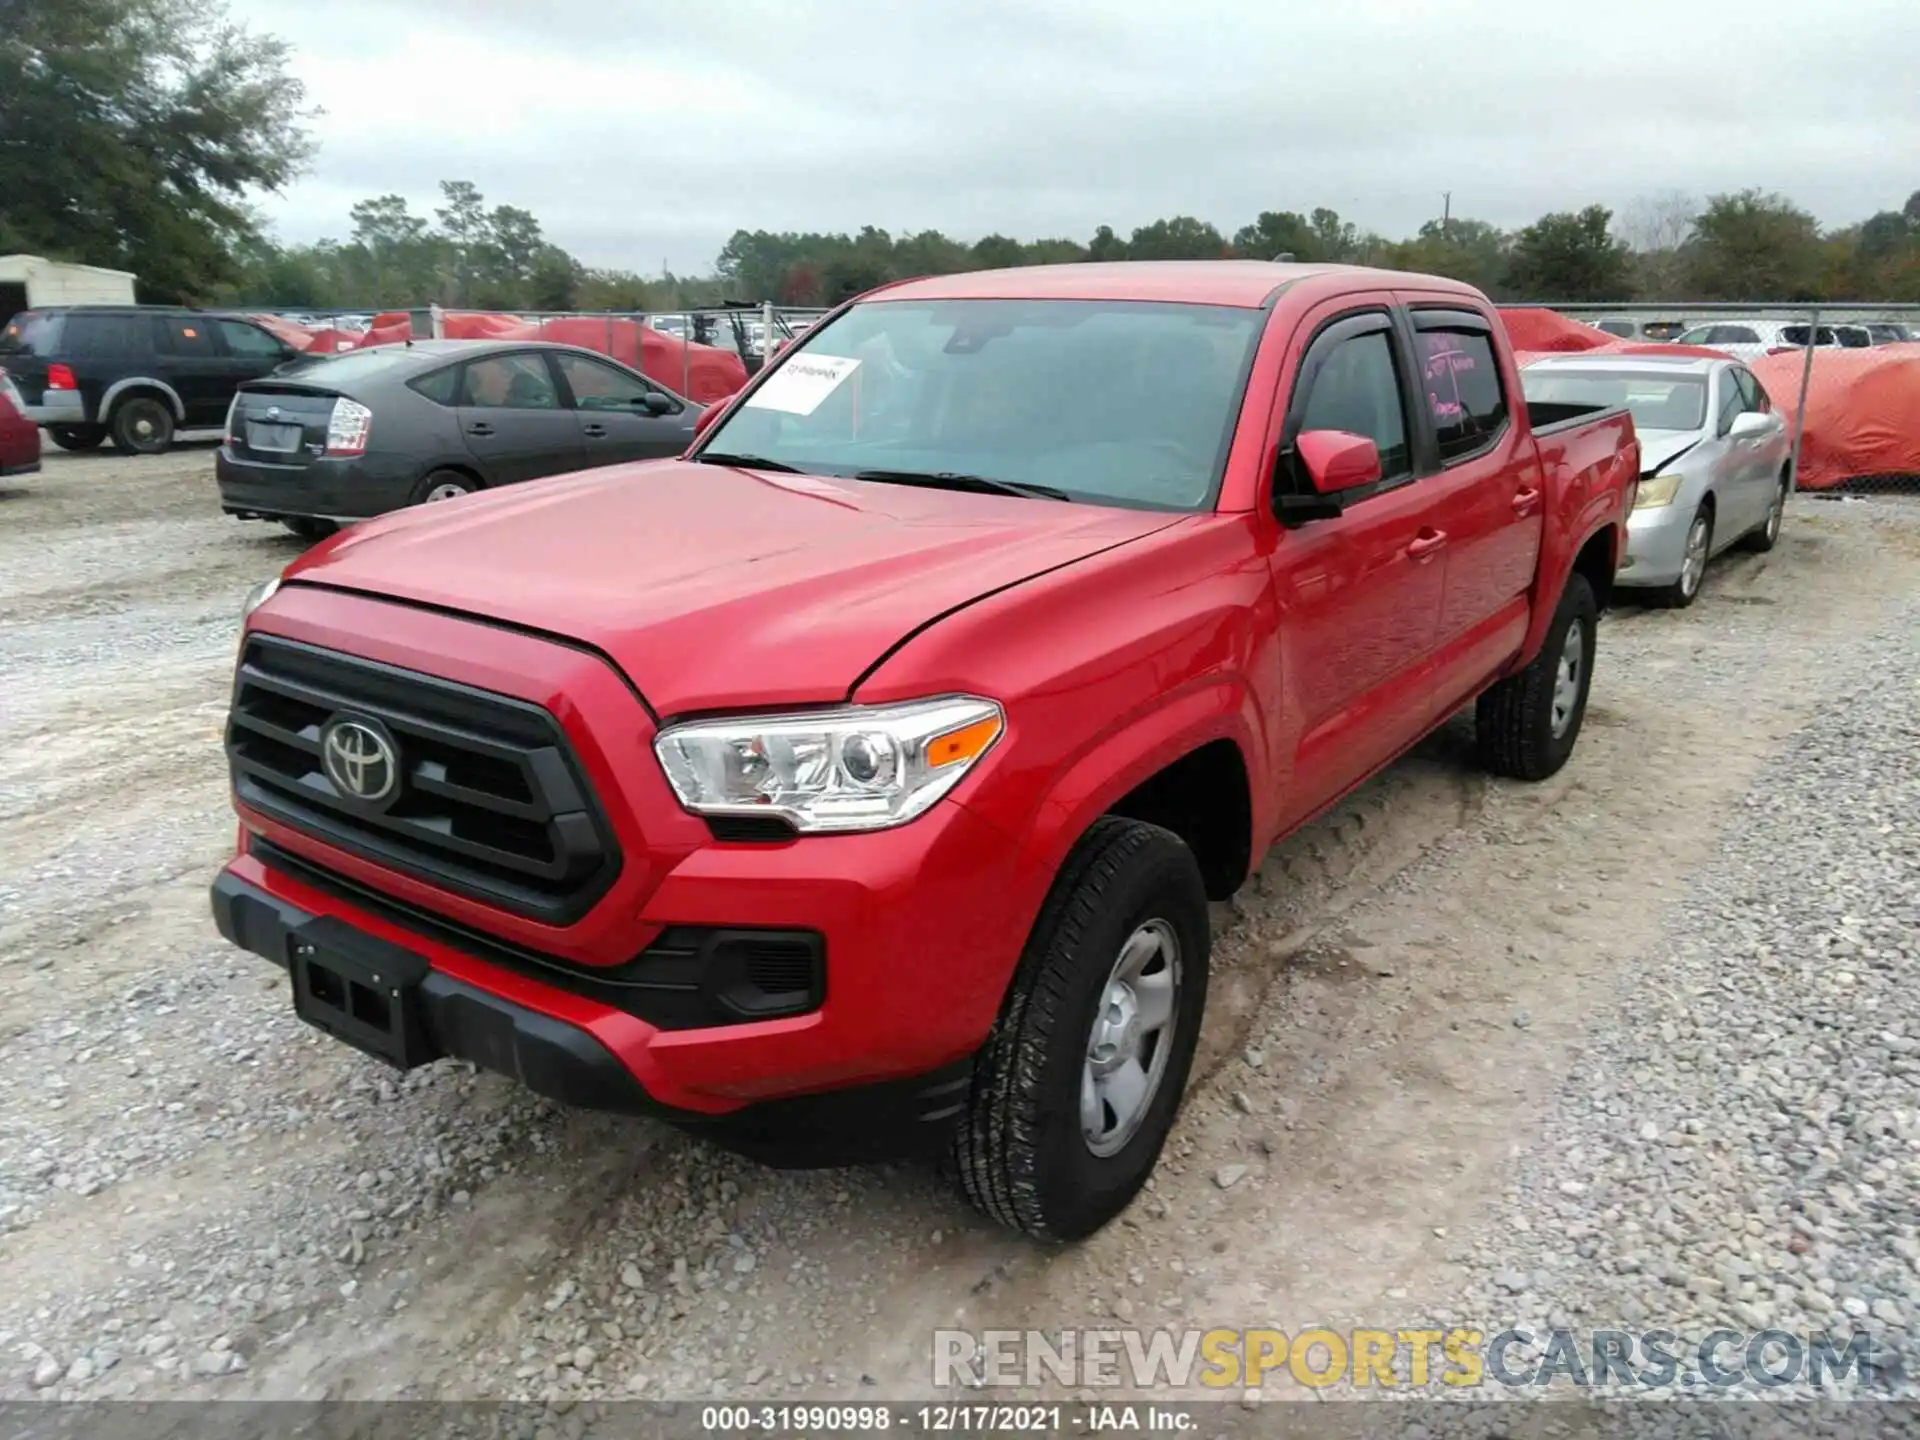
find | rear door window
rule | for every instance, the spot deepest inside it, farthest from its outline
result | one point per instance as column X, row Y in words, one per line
column 94, row 336
column 1460, row 378
column 510, row 382
column 1734, row 335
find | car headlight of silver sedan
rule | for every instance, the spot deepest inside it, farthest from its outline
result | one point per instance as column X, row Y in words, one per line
column 854, row 767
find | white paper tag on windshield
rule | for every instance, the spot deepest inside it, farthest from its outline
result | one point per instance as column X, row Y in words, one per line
column 799, row 386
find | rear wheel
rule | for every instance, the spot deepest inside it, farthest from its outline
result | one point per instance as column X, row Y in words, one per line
column 77, row 437
column 1077, row 1087
column 1767, row 535
column 142, row 425
column 309, row 527
column 444, row 485
column 1525, row 726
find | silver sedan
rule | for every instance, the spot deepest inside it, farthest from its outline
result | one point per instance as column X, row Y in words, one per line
column 1715, row 459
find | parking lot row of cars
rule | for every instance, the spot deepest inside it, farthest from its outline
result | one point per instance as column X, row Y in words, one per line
column 1750, row 337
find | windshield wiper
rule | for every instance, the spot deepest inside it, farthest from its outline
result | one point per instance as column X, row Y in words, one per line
column 949, row 480
column 746, row 462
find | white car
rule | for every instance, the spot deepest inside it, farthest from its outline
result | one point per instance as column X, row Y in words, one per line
column 1715, row 459
column 1750, row 339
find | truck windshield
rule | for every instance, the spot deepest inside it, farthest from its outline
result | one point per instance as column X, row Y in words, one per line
column 1115, row 403
column 1656, row 402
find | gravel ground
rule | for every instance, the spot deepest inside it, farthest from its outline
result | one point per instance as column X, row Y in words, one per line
column 1740, row 1144
column 199, row 1197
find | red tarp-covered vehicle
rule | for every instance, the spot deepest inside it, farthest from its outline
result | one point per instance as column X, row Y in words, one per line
column 1863, row 411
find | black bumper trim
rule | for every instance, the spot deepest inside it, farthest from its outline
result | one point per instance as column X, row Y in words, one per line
column 462, row 1022
column 859, row 1125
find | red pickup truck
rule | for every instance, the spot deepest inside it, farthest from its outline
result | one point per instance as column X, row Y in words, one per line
column 862, row 776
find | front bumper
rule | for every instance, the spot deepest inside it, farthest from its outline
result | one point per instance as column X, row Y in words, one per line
column 345, row 489
column 21, row 467
column 1656, row 545
column 565, row 1060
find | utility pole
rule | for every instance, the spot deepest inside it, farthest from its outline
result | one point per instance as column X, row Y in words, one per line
column 1446, row 213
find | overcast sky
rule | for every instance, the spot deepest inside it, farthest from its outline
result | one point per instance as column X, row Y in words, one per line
column 643, row 133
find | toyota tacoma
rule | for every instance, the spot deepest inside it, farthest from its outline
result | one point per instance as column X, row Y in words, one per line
column 856, row 783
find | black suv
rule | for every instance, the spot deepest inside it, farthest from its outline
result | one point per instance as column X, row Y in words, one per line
column 135, row 372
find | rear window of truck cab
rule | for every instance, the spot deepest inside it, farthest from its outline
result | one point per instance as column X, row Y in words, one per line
column 1128, row 403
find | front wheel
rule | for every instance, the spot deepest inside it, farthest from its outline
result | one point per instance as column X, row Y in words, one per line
column 1525, row 725
column 1079, row 1084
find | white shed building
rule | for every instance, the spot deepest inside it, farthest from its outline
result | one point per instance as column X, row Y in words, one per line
column 28, row 282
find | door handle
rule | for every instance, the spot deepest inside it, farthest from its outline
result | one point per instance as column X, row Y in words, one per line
column 596, row 430
column 480, row 427
column 1425, row 543
column 1525, row 500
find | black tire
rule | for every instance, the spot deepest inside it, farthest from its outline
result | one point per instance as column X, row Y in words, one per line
column 1020, row 1152
column 309, row 527
column 1766, row 535
column 1684, row 591
column 1514, row 721
column 77, row 437
column 439, row 482
column 141, row 425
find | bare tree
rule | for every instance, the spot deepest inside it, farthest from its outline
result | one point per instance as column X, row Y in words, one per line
column 1656, row 228
column 1662, row 221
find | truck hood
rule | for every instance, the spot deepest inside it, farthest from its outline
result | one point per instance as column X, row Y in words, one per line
column 713, row 587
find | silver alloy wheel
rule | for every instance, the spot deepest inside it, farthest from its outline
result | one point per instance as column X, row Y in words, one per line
column 1566, row 678
column 1131, row 1038
column 449, row 490
column 1693, row 569
column 142, row 426
column 1775, row 515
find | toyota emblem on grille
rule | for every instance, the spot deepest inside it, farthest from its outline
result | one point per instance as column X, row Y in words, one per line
column 273, row 412
column 360, row 759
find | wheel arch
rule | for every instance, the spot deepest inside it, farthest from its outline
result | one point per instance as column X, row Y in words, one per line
column 138, row 384
column 1184, row 767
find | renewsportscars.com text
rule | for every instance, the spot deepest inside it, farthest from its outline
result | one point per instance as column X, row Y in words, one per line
column 1401, row 1359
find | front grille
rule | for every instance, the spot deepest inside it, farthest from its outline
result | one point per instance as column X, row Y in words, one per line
column 491, row 803
column 691, row 977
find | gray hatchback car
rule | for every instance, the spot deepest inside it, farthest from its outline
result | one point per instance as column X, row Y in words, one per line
column 329, row 439
column 1715, row 459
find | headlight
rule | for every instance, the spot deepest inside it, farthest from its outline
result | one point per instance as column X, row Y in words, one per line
column 854, row 768
column 1657, row 490
column 258, row 596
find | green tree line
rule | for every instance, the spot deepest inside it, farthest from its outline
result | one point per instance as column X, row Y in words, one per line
column 134, row 133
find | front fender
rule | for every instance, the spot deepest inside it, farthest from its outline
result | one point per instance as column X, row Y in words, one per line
column 1062, row 807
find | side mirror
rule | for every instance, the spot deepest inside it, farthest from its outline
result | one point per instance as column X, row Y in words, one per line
column 655, row 403
column 1337, row 460
column 1750, row 425
column 707, row 417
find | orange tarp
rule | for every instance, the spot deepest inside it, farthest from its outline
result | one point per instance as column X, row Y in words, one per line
column 1863, row 410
